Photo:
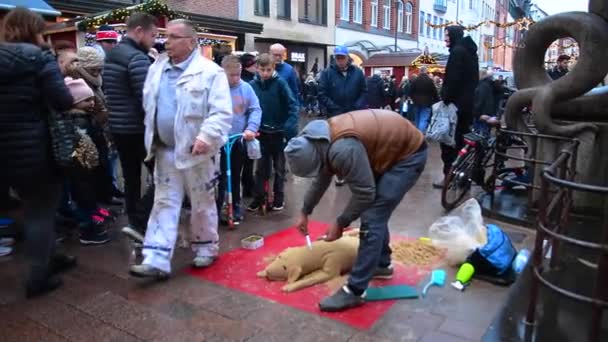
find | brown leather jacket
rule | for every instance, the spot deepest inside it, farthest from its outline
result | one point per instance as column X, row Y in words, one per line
column 386, row 135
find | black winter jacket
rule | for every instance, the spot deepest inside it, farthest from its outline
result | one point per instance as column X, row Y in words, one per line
column 340, row 94
column 375, row 92
column 30, row 84
column 485, row 98
column 423, row 91
column 461, row 75
column 124, row 75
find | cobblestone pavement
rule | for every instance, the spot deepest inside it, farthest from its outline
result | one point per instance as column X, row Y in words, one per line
column 100, row 302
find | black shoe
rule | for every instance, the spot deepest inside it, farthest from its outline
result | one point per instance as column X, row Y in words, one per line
column 255, row 205
column 384, row 272
column 112, row 201
column 62, row 263
column 342, row 300
column 278, row 206
column 90, row 237
column 35, row 288
column 117, row 193
column 10, row 203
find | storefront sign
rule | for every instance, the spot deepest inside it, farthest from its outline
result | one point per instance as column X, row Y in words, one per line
column 298, row 57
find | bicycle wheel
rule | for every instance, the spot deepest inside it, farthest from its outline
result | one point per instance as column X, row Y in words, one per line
column 458, row 180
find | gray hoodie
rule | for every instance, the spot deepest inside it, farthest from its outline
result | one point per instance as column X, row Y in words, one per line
column 308, row 155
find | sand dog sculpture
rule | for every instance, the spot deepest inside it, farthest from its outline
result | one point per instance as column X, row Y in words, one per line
column 302, row 267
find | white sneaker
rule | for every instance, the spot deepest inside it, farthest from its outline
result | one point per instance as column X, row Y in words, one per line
column 7, row 242
column 4, row 251
column 203, row 261
column 133, row 234
column 147, row 271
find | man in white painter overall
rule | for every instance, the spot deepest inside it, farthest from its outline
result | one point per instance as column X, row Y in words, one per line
column 188, row 116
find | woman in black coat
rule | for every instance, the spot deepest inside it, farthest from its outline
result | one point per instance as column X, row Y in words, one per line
column 30, row 83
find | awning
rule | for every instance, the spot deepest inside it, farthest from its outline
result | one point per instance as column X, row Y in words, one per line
column 390, row 60
column 38, row 6
column 92, row 8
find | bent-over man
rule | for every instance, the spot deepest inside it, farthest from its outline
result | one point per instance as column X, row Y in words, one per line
column 380, row 156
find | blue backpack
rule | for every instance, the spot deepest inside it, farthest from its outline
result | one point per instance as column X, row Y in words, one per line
column 495, row 257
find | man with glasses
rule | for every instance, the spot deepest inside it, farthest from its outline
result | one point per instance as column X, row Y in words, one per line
column 123, row 82
column 188, row 116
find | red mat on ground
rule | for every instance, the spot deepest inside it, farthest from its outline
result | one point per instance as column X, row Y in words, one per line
column 237, row 270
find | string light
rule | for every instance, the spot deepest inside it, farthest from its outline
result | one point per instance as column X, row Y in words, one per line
column 523, row 24
column 156, row 8
column 90, row 39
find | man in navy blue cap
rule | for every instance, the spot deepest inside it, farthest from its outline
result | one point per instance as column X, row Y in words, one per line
column 342, row 87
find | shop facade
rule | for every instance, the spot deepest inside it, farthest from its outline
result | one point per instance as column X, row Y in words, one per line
column 305, row 28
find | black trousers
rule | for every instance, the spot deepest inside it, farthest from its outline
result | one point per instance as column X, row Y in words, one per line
column 237, row 158
column 247, row 178
column 273, row 158
column 40, row 202
column 449, row 153
column 132, row 152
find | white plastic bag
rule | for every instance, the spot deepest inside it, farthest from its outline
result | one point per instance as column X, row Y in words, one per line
column 254, row 151
column 443, row 124
column 460, row 233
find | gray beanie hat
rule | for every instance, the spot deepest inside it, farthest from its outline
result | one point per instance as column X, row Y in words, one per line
column 307, row 152
column 90, row 58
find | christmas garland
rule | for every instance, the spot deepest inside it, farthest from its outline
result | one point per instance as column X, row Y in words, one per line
column 523, row 24
column 156, row 8
column 90, row 39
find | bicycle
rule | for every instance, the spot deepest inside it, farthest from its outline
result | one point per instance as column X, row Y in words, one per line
column 476, row 156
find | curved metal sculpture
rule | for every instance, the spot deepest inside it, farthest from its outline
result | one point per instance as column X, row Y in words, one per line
column 564, row 98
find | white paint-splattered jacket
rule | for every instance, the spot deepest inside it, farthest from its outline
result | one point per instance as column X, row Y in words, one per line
column 204, row 109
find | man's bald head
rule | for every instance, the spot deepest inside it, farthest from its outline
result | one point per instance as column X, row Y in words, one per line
column 278, row 52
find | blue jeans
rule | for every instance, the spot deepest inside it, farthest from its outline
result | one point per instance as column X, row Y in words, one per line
column 374, row 237
column 422, row 118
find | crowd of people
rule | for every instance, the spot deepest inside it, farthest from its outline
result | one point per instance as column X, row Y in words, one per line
column 131, row 104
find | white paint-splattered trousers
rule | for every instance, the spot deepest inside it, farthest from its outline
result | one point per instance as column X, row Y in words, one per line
column 171, row 185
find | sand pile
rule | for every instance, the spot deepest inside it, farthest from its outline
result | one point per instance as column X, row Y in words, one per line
column 415, row 253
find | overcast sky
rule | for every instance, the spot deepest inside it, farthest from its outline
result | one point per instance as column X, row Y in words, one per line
column 554, row 6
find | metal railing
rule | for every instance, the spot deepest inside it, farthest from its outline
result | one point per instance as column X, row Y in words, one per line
column 554, row 218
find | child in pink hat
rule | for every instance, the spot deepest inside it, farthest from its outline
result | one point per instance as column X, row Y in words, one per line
column 86, row 161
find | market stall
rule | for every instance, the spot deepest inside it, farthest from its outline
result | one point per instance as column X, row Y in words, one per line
column 81, row 30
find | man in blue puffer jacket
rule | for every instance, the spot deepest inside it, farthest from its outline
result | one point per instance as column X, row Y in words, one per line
column 342, row 86
column 124, row 74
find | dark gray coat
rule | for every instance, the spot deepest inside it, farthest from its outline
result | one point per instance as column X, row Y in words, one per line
column 30, row 84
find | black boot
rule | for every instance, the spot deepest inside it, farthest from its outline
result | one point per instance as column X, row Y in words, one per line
column 39, row 285
column 62, row 263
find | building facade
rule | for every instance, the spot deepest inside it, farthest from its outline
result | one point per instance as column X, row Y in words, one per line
column 503, row 38
column 436, row 12
column 305, row 27
column 372, row 26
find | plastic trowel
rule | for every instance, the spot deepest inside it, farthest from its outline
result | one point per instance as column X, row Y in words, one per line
column 390, row 292
column 437, row 279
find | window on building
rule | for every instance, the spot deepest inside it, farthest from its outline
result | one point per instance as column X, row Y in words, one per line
column 471, row 4
column 374, row 13
column 400, row 16
column 313, row 12
column 409, row 22
column 345, row 10
column 261, row 7
column 428, row 27
column 284, row 9
column 441, row 30
column 358, row 11
column 422, row 24
column 387, row 15
column 435, row 29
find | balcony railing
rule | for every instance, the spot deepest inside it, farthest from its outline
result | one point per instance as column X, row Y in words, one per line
column 440, row 6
